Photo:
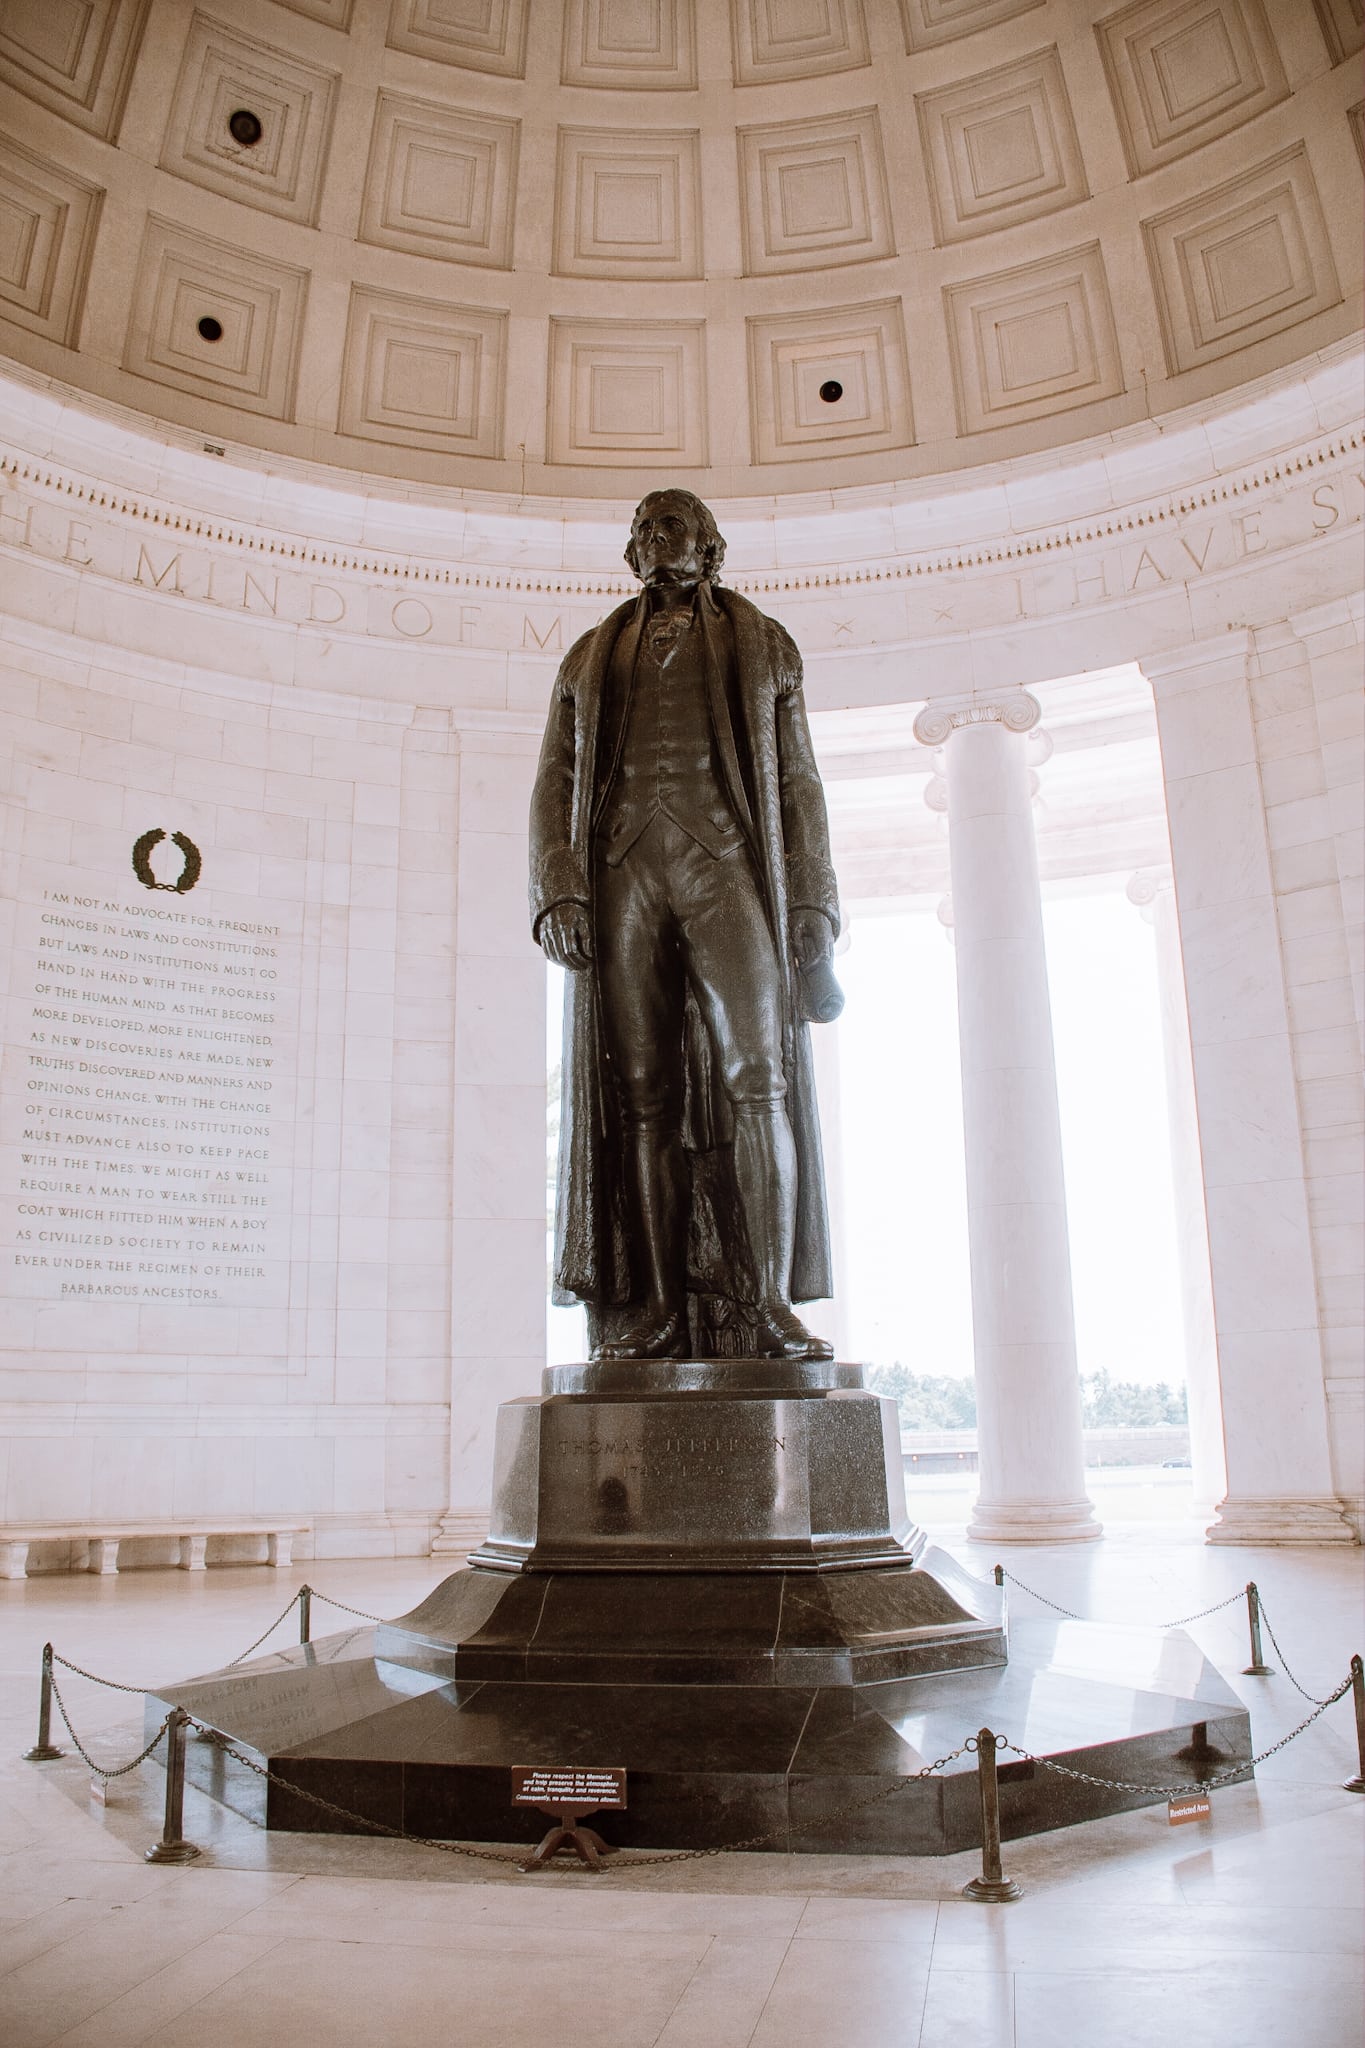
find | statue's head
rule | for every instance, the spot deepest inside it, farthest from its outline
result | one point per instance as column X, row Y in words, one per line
column 674, row 539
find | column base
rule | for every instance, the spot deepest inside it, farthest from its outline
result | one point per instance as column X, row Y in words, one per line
column 460, row 1531
column 1280, row 1521
column 1034, row 1521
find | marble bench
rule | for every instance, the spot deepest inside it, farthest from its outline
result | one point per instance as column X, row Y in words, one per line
column 102, row 1540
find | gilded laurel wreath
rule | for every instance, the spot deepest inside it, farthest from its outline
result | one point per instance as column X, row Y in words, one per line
column 142, row 866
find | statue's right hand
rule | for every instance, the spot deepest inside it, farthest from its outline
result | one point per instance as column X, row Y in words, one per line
column 566, row 935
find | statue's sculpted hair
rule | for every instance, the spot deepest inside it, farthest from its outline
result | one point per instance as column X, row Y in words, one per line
column 712, row 539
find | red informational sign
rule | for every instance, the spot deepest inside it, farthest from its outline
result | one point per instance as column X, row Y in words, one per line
column 589, row 1791
column 1188, row 1806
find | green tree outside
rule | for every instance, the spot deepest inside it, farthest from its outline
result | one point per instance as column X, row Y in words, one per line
column 937, row 1401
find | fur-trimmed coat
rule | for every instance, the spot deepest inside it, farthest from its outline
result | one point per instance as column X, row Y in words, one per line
column 753, row 674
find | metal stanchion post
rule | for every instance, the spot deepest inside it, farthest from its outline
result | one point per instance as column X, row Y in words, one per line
column 305, row 1612
column 1357, row 1783
column 1257, row 1668
column 1000, row 1575
column 44, row 1749
column 992, row 1885
column 173, row 1848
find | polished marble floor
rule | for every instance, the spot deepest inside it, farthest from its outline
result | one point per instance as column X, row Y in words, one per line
column 1243, row 1929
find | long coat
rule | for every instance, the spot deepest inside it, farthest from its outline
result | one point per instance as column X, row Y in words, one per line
column 753, row 673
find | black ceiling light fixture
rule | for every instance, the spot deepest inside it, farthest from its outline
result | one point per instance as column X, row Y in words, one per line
column 245, row 127
column 831, row 392
column 211, row 329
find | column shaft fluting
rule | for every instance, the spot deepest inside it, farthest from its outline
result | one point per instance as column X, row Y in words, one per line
column 1032, row 1477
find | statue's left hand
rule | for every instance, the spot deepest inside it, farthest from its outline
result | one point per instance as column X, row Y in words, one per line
column 811, row 935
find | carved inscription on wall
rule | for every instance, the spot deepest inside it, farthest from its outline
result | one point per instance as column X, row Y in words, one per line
column 146, row 1115
column 922, row 590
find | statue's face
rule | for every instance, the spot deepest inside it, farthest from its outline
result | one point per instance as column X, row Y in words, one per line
column 667, row 540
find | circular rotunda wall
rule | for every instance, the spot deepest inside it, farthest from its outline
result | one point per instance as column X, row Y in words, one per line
column 765, row 247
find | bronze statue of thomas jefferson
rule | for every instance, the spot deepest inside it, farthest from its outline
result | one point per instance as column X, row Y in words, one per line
column 680, row 870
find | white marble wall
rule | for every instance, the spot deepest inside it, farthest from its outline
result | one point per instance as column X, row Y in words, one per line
column 322, row 1390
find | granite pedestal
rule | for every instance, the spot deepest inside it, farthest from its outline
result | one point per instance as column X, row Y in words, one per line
column 705, row 1574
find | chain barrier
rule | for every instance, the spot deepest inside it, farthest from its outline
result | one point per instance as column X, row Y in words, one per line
column 1199, row 1785
column 99, row 1769
column 1302, row 1690
column 1217, row 1608
column 114, row 1685
column 992, row 1886
column 651, row 1860
column 266, row 1632
column 328, row 1601
column 1181, row 1622
column 1055, row 1605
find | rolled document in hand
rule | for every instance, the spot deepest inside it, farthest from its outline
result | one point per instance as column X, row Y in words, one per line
column 820, row 996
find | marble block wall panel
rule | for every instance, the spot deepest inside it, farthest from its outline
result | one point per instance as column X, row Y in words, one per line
column 498, row 1237
column 1310, row 733
column 225, row 1181
column 1276, row 1047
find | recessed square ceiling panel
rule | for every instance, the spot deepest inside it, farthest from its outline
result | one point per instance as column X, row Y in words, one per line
column 223, row 74
column 620, row 389
column 421, row 374
column 927, row 23
column 47, row 228
column 829, row 382
column 628, row 203
column 1343, row 27
column 74, row 56
column 1182, row 72
column 441, row 182
column 1000, row 148
column 1034, row 340
column 480, row 35
column 782, row 39
column 631, row 45
column 814, row 193
column 332, row 13
column 187, row 285
column 1241, row 262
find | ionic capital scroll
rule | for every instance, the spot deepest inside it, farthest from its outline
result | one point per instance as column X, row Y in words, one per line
column 1017, row 711
column 1146, row 887
column 1146, row 884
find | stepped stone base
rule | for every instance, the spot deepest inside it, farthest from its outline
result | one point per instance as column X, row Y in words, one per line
column 704, row 1573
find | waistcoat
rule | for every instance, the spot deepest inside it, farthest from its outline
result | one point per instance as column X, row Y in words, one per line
column 668, row 756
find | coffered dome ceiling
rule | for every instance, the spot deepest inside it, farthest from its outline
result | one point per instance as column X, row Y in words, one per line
column 763, row 246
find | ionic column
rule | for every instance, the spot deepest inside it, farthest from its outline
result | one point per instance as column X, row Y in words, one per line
column 1152, row 890
column 1032, row 1479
